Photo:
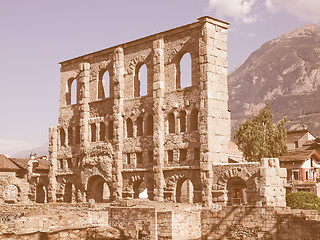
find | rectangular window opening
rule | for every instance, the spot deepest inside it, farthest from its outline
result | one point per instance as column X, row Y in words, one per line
column 170, row 156
column 139, row 158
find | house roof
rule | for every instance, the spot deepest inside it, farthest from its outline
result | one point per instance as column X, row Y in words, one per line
column 302, row 130
column 6, row 164
column 23, row 163
column 20, row 162
column 43, row 164
column 300, row 155
column 311, row 144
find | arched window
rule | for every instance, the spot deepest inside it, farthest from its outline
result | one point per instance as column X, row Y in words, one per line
column 110, row 130
column 93, row 132
column 194, row 119
column 102, row 134
column 129, row 128
column 141, row 81
column 171, row 123
column 182, row 119
column 70, row 136
column 139, row 126
column 73, row 92
column 149, row 125
column 184, row 78
column 140, row 190
column 105, row 80
column 62, row 137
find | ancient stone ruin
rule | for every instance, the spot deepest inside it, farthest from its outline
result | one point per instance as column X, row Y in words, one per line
column 130, row 122
column 132, row 127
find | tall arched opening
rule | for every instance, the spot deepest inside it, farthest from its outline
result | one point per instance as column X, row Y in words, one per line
column 98, row 189
column 41, row 194
column 67, row 196
column 184, row 191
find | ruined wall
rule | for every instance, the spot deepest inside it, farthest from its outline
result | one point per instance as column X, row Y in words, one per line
column 13, row 189
column 259, row 184
column 260, row 223
column 170, row 134
column 149, row 220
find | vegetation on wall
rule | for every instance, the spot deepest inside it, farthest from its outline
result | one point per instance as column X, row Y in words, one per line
column 258, row 137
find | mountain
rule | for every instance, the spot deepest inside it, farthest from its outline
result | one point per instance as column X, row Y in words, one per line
column 40, row 151
column 284, row 72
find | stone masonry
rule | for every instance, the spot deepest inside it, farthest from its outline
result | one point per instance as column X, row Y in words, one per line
column 122, row 143
column 113, row 142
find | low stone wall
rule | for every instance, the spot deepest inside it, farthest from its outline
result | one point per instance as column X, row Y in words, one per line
column 149, row 220
column 157, row 221
column 39, row 220
column 84, row 233
column 260, row 223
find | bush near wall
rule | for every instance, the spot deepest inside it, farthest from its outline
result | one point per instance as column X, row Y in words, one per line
column 303, row 200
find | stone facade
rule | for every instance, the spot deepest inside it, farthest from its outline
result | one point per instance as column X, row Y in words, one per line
column 169, row 145
column 119, row 142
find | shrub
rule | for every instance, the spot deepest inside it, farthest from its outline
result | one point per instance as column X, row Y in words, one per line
column 303, row 200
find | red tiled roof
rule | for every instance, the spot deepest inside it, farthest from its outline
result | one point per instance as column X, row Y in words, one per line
column 20, row 162
column 300, row 155
column 43, row 164
column 6, row 164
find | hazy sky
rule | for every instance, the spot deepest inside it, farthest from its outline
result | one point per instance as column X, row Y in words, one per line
column 37, row 34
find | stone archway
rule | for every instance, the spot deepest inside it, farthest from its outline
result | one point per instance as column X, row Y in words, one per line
column 98, row 189
column 237, row 194
column 235, row 185
column 41, row 194
column 184, row 191
column 138, row 188
column 142, row 187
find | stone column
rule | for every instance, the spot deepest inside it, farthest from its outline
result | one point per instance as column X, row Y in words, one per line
column 158, row 118
column 83, row 101
column 272, row 183
column 53, row 149
column 215, row 119
column 118, row 86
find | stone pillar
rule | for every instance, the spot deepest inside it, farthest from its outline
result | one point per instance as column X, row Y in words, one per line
column 53, row 158
column 272, row 183
column 158, row 118
column 118, row 86
column 214, row 127
column 83, row 100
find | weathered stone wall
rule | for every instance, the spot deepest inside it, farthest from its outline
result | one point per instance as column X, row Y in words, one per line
column 186, row 223
column 260, row 184
column 149, row 220
column 125, row 138
column 83, row 233
column 260, row 223
column 13, row 189
column 137, row 222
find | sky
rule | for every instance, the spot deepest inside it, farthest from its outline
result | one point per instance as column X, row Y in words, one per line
column 38, row 34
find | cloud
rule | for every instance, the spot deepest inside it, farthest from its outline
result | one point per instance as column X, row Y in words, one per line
column 239, row 10
column 307, row 10
column 251, row 35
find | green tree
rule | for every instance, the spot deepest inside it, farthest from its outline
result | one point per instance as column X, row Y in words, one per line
column 258, row 137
